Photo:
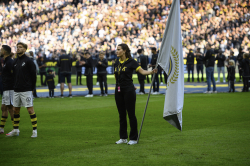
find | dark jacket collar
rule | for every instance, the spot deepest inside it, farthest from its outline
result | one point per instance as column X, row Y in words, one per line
column 7, row 58
column 23, row 56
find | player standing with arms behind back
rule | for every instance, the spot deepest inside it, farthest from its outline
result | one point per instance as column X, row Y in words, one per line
column 102, row 73
column 8, row 87
column 24, row 71
column 65, row 64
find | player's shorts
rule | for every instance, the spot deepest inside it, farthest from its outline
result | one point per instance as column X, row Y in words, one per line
column 24, row 99
column 7, row 98
column 65, row 75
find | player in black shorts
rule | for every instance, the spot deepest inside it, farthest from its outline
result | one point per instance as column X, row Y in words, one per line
column 125, row 95
column 65, row 64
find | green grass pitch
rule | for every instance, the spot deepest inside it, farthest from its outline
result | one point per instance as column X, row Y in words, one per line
column 111, row 79
column 83, row 131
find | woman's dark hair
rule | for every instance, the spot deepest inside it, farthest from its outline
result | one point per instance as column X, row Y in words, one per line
column 126, row 49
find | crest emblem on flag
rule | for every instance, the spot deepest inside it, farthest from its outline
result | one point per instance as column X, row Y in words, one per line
column 173, row 67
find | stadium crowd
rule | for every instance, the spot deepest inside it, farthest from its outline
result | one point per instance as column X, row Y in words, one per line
column 48, row 26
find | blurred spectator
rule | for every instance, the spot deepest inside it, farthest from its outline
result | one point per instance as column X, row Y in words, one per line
column 246, row 74
column 51, row 82
column 78, row 69
column 42, row 70
column 37, row 70
column 220, row 65
column 88, row 64
column 190, row 65
column 102, row 64
column 153, row 65
column 34, row 60
column 160, row 74
column 142, row 61
column 231, row 75
column 232, row 57
column 239, row 59
column 209, row 60
column 199, row 66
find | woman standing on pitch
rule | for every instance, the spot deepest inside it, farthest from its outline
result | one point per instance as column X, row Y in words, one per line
column 125, row 95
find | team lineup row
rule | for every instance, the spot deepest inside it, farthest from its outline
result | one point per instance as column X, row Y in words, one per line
column 19, row 79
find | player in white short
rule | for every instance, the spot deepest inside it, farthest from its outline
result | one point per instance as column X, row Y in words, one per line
column 24, row 71
column 24, row 99
column 8, row 87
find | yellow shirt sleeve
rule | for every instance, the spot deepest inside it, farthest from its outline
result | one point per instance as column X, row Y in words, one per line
column 137, row 68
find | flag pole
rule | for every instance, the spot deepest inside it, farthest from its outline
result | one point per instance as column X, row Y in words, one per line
column 146, row 105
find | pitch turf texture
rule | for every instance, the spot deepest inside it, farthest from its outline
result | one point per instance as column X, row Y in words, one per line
column 83, row 131
column 111, row 79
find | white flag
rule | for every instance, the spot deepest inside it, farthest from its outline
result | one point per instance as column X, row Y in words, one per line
column 171, row 60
